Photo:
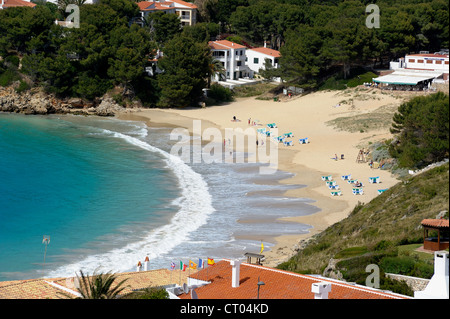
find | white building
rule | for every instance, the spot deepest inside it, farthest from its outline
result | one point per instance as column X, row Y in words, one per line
column 185, row 10
column 437, row 288
column 232, row 56
column 256, row 58
column 418, row 69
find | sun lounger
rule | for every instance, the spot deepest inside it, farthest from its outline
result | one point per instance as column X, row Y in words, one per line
column 374, row 180
column 357, row 191
column 303, row 140
column 346, row 177
column 380, row 191
column 271, row 125
column 352, row 181
column 288, row 134
column 288, row 143
column 333, row 187
column 261, row 130
column 327, row 178
column 329, row 183
column 280, row 139
column 268, row 133
column 338, row 193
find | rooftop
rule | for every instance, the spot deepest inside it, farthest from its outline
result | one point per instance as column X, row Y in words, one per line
column 50, row 288
column 163, row 5
column 267, row 51
column 437, row 223
column 278, row 284
column 429, row 55
column 224, row 45
column 18, row 3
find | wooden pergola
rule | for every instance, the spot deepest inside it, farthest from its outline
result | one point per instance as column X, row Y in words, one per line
column 441, row 241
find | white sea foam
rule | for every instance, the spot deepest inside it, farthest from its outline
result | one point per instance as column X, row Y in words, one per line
column 195, row 206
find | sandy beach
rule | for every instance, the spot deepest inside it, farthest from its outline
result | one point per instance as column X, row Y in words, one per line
column 304, row 116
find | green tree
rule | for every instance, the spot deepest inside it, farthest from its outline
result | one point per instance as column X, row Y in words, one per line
column 132, row 50
column 163, row 26
column 185, row 67
column 301, row 60
column 423, row 130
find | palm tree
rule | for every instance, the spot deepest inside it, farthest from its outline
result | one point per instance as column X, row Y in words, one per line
column 97, row 286
column 215, row 67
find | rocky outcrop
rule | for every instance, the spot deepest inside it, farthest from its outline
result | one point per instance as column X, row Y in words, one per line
column 38, row 102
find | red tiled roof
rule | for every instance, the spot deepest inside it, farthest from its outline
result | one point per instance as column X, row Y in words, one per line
column 224, row 44
column 18, row 3
column 267, row 51
column 438, row 223
column 152, row 5
column 188, row 4
column 278, row 284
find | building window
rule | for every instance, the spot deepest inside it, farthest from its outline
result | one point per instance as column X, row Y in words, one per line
column 412, row 60
column 255, row 60
column 438, row 62
column 429, row 61
column 238, row 63
column 419, row 61
column 446, row 62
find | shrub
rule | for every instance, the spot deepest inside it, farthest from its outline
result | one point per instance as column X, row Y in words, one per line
column 397, row 265
column 23, row 86
column 12, row 60
column 8, row 77
column 220, row 93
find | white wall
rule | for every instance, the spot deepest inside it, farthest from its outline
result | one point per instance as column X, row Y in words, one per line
column 428, row 63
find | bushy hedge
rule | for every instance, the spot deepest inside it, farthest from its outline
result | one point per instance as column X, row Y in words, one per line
column 220, row 93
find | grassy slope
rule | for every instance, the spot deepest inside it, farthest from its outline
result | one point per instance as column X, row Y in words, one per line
column 389, row 220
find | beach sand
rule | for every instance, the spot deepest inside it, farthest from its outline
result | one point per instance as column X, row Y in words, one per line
column 304, row 116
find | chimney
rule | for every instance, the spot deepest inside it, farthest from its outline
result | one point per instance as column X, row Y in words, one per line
column 139, row 266
column 235, row 273
column 437, row 288
column 321, row 290
column 146, row 261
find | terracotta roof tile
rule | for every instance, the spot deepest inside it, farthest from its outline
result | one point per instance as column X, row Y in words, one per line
column 43, row 288
column 153, row 5
column 18, row 3
column 435, row 223
column 267, row 51
column 225, row 44
column 279, row 284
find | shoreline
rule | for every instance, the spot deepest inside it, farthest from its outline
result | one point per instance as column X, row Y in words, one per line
column 307, row 166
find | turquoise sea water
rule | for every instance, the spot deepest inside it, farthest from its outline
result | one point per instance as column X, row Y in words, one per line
column 109, row 193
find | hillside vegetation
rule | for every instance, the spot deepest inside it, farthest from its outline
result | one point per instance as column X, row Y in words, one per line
column 376, row 233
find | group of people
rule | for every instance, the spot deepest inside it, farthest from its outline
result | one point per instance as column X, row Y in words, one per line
column 336, row 157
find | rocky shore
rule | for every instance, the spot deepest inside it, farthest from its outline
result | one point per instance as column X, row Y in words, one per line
column 37, row 102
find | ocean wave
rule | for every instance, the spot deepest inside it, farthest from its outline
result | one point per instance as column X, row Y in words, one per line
column 195, row 206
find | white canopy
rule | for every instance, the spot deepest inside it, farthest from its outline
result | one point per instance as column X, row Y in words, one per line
column 405, row 78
